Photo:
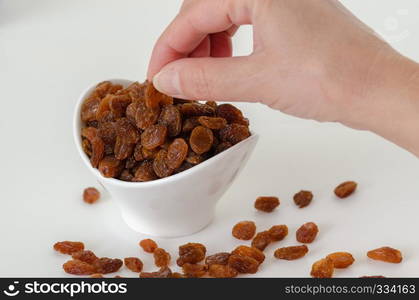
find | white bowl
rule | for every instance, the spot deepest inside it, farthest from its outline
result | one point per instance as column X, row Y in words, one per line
column 177, row 205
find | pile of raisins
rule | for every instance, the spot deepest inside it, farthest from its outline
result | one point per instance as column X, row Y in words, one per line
column 139, row 134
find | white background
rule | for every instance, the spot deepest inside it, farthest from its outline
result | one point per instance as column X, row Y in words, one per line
column 51, row 50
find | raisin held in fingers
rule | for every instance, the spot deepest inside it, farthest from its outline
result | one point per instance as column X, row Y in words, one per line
column 266, row 204
column 153, row 98
column 386, row 254
column 307, row 233
column 345, row 189
column 261, row 240
column 244, row 230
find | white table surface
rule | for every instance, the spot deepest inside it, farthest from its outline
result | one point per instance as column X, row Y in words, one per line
column 51, row 50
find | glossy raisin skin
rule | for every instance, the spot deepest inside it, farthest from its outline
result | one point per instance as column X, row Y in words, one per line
column 341, row 260
column 266, row 204
column 303, row 198
column 243, row 264
column 222, row 271
column 134, row 264
column 244, row 230
column 177, row 153
column 161, row 257
column 86, row 256
column 278, row 232
column 250, row 252
column 345, row 189
column 386, row 254
column 220, row 258
column 191, row 253
column 68, row 247
column 148, row 245
column 194, row 270
column 201, row 139
column 322, row 268
column 261, row 240
column 307, row 233
column 105, row 265
column 291, row 253
column 91, row 195
column 78, row 267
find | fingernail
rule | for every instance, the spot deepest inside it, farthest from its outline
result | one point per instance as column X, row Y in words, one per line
column 167, row 82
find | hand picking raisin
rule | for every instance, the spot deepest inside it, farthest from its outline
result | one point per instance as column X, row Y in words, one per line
column 244, row 230
column 176, row 153
column 341, row 260
column 386, row 254
column 153, row 136
column 345, row 189
column 191, row 253
column 266, row 204
column 106, row 265
column 212, row 122
column 322, row 268
column 77, row 267
column 148, row 245
column 278, row 232
column 91, row 195
column 261, row 240
column 194, row 270
column 249, row 251
column 307, row 233
column 303, row 198
column 234, row 133
column 291, row 253
column 220, row 258
column 134, row 264
column 164, row 272
column 68, row 247
column 153, row 98
column 201, row 139
column 222, row 271
column 86, row 256
column 243, row 264
column 161, row 257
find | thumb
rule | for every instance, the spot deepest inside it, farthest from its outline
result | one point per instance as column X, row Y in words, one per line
column 209, row 78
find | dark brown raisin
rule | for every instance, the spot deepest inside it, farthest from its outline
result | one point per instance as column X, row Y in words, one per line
column 126, row 176
column 261, row 240
column 176, row 153
column 232, row 114
column 303, row 198
column 222, row 147
column 109, row 166
column 307, row 233
column 91, row 195
column 234, row 133
column 160, row 165
column 291, row 253
column 191, row 253
column 107, row 132
column 68, row 247
column 122, row 148
column 345, row 189
column 244, row 230
column 189, row 124
column 171, row 118
column 217, row 259
column 201, row 139
column 196, row 109
column 145, row 117
column 148, row 245
column 154, row 136
column 106, row 265
column 134, row 264
column 212, row 122
column 266, row 204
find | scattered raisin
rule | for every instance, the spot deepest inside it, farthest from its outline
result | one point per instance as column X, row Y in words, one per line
column 249, row 251
column 78, row 267
column 164, row 272
column 232, row 114
column 291, row 253
column 244, row 230
column 303, row 198
column 105, row 265
column 134, row 264
column 322, row 268
column 386, row 254
column 161, row 257
column 278, row 232
column 307, row 233
column 201, row 139
column 261, row 240
column 341, row 260
column 176, row 153
column 243, row 264
column 345, row 189
column 148, row 245
column 194, row 270
column 86, row 256
column 266, row 204
column 191, row 253
column 91, row 195
column 217, row 259
column 222, row 271
column 68, row 247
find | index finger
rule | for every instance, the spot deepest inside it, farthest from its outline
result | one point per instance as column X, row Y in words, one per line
column 192, row 25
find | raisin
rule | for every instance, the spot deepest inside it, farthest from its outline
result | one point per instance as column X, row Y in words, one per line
column 145, row 172
column 118, row 105
column 97, row 145
column 243, row 264
column 138, row 152
column 266, row 204
column 91, row 195
column 106, row 265
column 149, row 153
column 222, row 271
column 145, row 117
column 194, row 270
column 212, row 122
column 164, row 272
column 244, row 230
column 278, row 232
column 194, row 158
column 77, row 267
column 87, row 147
column 217, row 259
column 131, row 112
column 307, row 233
column 161, row 257
column 322, row 268
column 154, row 136
column 341, row 259
column 126, row 131
column 232, row 114
column 185, row 166
column 386, row 254
column 102, row 88
column 123, row 149
column 345, row 189
column 196, row 109
column 134, row 264
column 249, row 251
column 201, row 139
column 107, row 132
column 213, row 104
column 160, row 166
column 96, row 275
column 148, row 245
column 222, row 147
column 291, row 253
column 68, row 247
column 261, row 240
column 136, row 91
column 153, row 98
column 176, row 153
column 89, row 109
column 109, row 166
column 86, row 256
column 171, row 118
column 303, row 198
column 130, row 163
column 234, row 133
column 104, row 111
column 177, row 275
column 191, row 253
column 189, row 124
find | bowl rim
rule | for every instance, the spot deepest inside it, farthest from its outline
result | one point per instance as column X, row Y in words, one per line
column 77, row 124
